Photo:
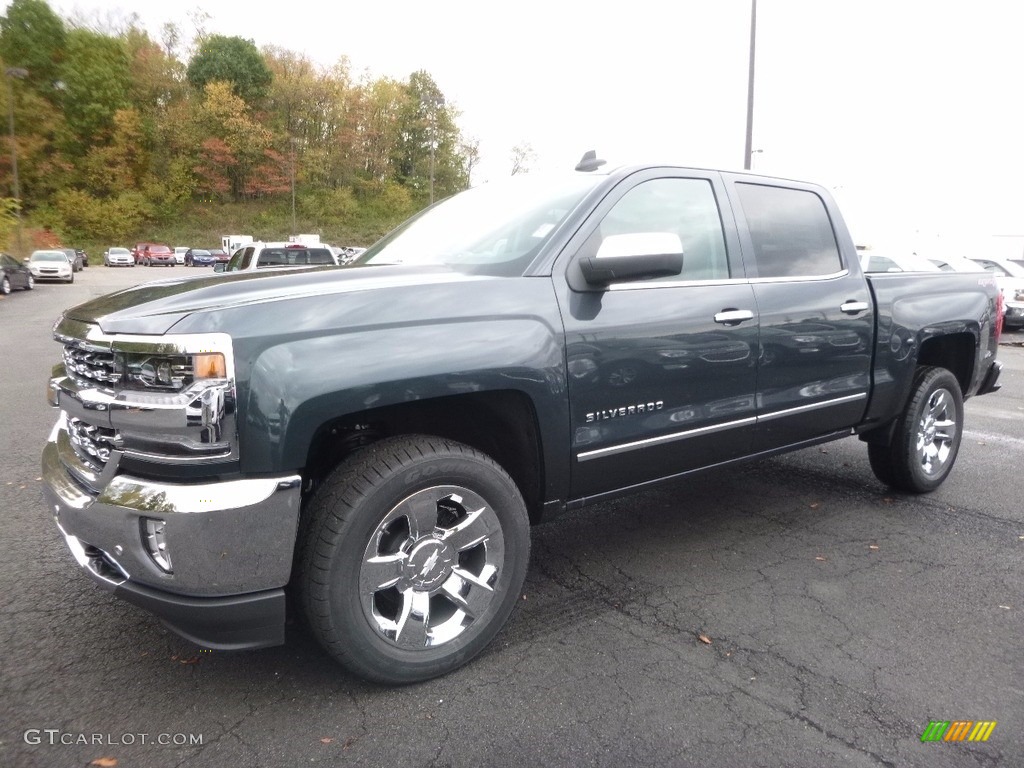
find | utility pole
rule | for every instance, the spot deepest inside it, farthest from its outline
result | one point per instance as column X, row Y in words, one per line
column 433, row 102
column 20, row 74
column 292, row 141
column 750, row 87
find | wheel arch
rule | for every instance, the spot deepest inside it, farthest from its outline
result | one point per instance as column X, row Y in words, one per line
column 503, row 424
column 956, row 352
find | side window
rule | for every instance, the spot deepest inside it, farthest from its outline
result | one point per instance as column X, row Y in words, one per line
column 235, row 263
column 791, row 232
column 669, row 211
column 247, row 257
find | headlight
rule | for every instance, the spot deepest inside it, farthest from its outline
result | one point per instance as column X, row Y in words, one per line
column 171, row 372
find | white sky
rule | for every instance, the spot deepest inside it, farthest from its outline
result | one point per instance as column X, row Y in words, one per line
column 910, row 110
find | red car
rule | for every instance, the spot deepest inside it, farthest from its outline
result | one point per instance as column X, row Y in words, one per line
column 154, row 254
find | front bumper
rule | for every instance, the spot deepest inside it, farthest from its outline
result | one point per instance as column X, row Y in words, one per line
column 230, row 545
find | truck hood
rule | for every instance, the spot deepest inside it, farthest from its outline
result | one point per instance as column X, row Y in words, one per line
column 153, row 308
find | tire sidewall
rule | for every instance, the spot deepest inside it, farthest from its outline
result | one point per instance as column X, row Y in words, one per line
column 5, row 286
column 935, row 380
column 386, row 662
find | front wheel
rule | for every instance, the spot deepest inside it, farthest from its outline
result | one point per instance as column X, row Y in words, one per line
column 30, row 284
column 5, row 286
column 927, row 435
column 413, row 557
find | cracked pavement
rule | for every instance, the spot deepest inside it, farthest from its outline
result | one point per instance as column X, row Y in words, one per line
column 842, row 618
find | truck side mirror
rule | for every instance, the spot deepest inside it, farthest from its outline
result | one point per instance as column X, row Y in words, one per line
column 635, row 256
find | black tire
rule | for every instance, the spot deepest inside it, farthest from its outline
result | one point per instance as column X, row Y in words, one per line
column 72, row 278
column 412, row 558
column 927, row 435
column 30, row 283
column 5, row 286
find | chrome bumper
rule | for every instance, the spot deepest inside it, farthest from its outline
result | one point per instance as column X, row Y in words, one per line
column 225, row 538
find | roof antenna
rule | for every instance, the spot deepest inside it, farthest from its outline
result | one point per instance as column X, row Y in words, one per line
column 589, row 162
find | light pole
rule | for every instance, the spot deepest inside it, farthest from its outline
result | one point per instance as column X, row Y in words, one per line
column 750, row 86
column 20, row 74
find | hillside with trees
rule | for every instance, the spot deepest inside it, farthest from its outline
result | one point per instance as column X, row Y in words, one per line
column 119, row 139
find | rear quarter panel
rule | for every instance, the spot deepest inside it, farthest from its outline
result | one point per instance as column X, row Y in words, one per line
column 912, row 308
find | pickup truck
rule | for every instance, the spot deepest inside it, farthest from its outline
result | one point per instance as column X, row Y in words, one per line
column 371, row 443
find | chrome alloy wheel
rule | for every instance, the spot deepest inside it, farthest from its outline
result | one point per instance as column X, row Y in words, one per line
column 936, row 432
column 430, row 567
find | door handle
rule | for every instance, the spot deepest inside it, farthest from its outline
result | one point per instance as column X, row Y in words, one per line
column 853, row 307
column 733, row 316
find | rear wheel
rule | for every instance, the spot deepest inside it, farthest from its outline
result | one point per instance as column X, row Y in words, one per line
column 30, row 284
column 412, row 558
column 927, row 435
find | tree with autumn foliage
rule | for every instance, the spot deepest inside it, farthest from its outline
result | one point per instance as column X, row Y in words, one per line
column 117, row 138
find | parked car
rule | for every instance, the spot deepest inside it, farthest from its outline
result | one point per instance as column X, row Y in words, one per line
column 892, row 262
column 1010, row 279
column 138, row 250
column 76, row 260
column 260, row 256
column 154, row 254
column 179, row 253
column 955, row 264
column 199, row 257
column 51, row 265
column 14, row 274
column 118, row 257
column 220, row 255
column 346, row 253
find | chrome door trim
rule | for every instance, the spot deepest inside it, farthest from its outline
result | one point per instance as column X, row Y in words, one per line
column 612, row 450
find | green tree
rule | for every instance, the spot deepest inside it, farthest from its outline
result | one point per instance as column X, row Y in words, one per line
column 33, row 37
column 96, row 77
column 426, row 156
column 232, row 60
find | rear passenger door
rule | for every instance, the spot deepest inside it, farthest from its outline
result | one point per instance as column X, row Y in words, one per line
column 815, row 312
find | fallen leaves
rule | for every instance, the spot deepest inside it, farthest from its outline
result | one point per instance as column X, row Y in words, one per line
column 704, row 639
column 104, row 762
column 815, row 504
column 821, row 558
column 326, row 740
column 873, row 546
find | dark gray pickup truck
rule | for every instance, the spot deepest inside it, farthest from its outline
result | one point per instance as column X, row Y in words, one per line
column 371, row 443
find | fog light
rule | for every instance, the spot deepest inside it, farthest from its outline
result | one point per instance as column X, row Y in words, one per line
column 156, row 543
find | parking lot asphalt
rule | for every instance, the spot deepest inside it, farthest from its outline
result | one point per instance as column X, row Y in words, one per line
column 791, row 612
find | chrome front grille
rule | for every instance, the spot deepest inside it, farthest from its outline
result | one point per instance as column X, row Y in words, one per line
column 93, row 444
column 91, row 364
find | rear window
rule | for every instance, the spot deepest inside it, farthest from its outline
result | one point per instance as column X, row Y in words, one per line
column 289, row 257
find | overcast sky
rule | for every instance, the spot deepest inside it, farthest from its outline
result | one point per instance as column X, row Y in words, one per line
column 909, row 110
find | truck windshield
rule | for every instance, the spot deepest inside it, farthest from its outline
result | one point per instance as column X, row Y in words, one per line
column 494, row 229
